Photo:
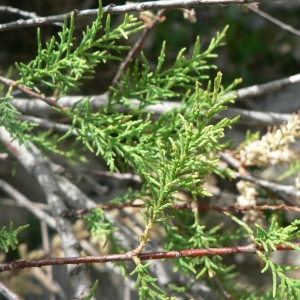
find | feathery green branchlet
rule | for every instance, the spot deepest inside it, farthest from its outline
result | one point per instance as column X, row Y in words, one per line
column 9, row 239
column 176, row 151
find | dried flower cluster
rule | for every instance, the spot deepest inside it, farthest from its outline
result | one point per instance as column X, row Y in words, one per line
column 247, row 198
column 274, row 147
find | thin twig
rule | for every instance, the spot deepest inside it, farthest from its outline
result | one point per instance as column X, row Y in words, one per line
column 88, row 248
column 31, row 93
column 76, row 199
column 221, row 288
column 274, row 20
column 22, row 13
column 138, row 45
column 128, row 256
column 11, row 202
column 132, row 7
column 17, row 11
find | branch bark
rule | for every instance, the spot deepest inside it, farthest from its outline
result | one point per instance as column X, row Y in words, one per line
column 285, row 192
column 32, row 159
column 37, row 107
column 250, row 249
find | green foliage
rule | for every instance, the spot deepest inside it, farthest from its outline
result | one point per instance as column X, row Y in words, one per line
column 293, row 169
column 277, row 235
column 91, row 294
column 59, row 66
column 8, row 118
column 151, row 86
column 147, row 286
column 176, row 152
column 104, row 229
column 9, row 239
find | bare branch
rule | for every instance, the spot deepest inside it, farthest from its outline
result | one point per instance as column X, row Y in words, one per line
column 248, row 117
column 283, row 191
column 36, row 107
column 22, row 13
column 275, row 21
column 132, row 7
column 32, row 159
column 7, row 293
column 266, row 88
column 22, row 200
column 254, row 118
column 128, row 256
column 289, row 190
column 11, row 202
column 88, row 248
column 62, row 128
column 17, row 11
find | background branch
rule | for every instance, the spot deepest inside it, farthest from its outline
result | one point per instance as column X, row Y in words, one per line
column 22, row 13
column 274, row 20
column 132, row 7
column 22, row 200
column 7, row 293
column 32, row 159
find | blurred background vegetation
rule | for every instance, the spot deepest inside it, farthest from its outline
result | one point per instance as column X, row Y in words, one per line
column 256, row 50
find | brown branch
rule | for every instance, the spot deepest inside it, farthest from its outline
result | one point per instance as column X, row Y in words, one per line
column 132, row 7
column 128, row 256
column 32, row 93
column 274, row 20
column 138, row 45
